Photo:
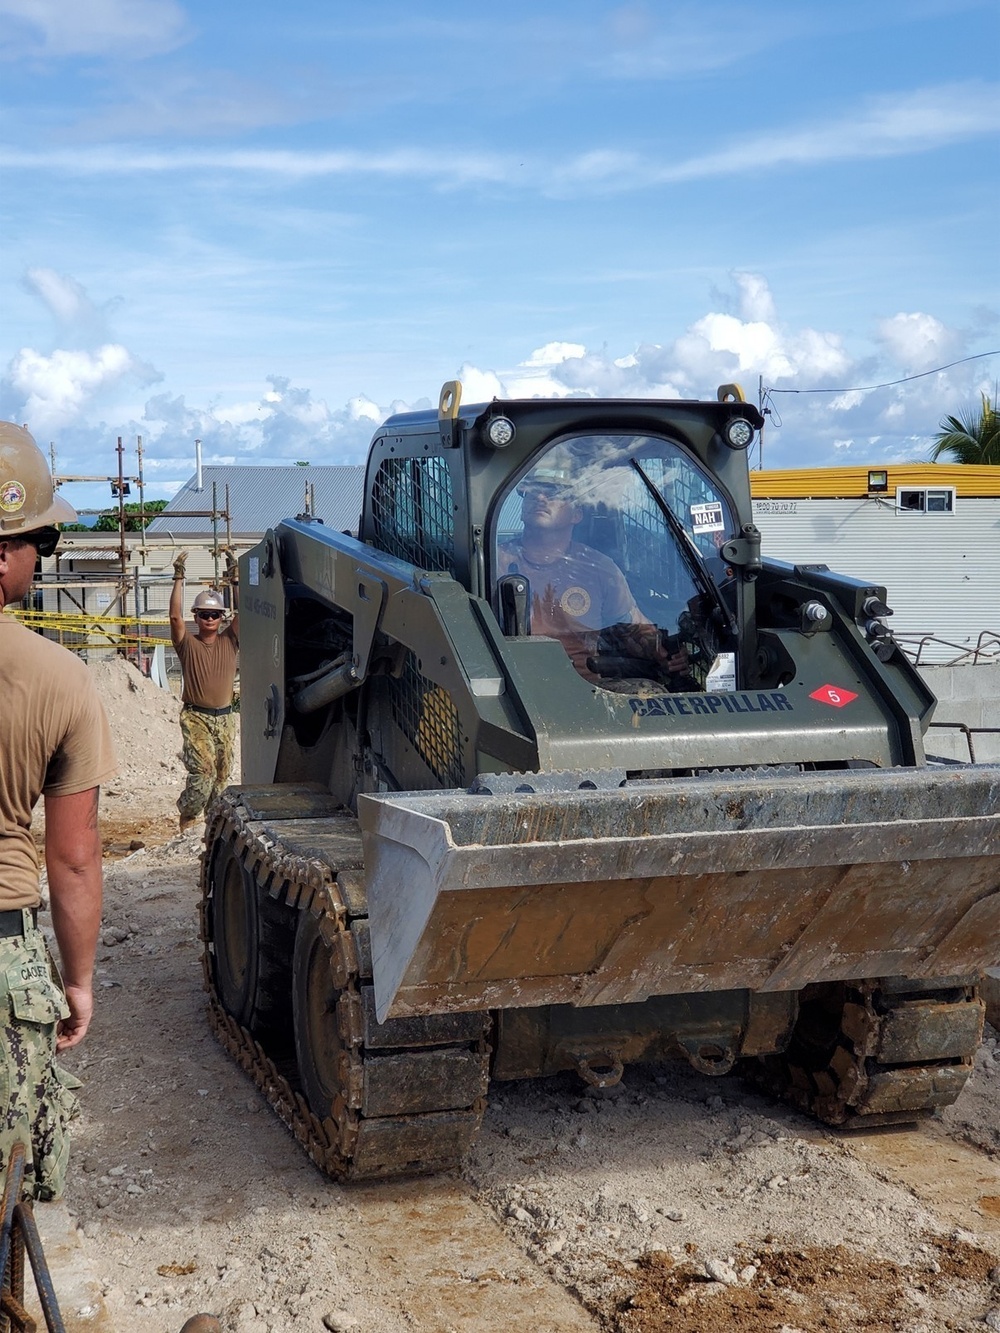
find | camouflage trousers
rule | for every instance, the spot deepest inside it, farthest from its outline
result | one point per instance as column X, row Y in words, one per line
column 36, row 1096
column 208, row 757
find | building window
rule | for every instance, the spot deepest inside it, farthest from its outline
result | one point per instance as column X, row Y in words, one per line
column 925, row 500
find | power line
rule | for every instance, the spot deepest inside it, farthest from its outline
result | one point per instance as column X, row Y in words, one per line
column 867, row 388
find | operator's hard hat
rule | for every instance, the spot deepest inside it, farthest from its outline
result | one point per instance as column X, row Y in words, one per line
column 556, row 468
column 208, row 601
column 28, row 499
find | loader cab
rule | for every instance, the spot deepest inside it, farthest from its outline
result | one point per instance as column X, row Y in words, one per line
column 610, row 543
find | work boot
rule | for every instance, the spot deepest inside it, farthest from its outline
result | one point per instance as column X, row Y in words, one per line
column 185, row 823
column 202, row 1323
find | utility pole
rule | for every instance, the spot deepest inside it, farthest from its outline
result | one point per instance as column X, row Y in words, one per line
column 760, row 405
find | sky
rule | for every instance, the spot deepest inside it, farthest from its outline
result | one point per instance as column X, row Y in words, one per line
column 266, row 227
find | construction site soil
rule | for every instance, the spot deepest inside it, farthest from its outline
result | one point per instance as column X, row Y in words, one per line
column 671, row 1202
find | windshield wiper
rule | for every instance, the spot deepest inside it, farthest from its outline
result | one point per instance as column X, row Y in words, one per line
column 693, row 557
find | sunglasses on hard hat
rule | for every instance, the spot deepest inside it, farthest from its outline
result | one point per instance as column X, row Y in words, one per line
column 208, row 615
column 44, row 540
column 545, row 490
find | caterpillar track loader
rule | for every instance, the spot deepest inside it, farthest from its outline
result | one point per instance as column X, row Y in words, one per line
column 547, row 769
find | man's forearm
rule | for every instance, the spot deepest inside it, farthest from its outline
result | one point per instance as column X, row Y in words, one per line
column 75, row 900
column 176, row 606
column 73, row 862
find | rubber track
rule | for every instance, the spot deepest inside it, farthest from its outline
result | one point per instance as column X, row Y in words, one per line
column 345, row 1145
column 898, row 1057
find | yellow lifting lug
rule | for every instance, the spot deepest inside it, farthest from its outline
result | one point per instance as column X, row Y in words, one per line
column 448, row 405
column 727, row 393
column 450, row 400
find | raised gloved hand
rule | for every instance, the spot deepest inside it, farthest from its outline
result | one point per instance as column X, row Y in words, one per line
column 232, row 574
column 180, row 564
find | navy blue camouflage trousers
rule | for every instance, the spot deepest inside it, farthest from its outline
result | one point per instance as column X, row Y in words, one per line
column 37, row 1100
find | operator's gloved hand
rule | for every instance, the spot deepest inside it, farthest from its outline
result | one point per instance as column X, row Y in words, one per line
column 180, row 564
column 232, row 574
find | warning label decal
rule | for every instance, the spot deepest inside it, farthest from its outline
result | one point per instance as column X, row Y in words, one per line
column 834, row 695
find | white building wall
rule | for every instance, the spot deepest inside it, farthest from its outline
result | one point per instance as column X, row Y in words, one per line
column 940, row 570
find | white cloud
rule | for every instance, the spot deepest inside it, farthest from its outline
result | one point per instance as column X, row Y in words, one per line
column 89, row 27
column 917, row 341
column 553, row 354
column 755, row 299
column 677, row 41
column 59, row 393
column 363, row 409
column 194, row 103
column 889, row 126
column 65, row 297
column 286, row 422
column 56, row 388
column 480, row 386
column 74, row 313
column 895, row 126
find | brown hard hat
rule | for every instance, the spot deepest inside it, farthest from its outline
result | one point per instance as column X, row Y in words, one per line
column 28, row 499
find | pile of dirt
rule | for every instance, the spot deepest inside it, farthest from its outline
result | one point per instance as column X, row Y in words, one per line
column 679, row 1202
column 808, row 1287
column 145, row 726
column 139, row 805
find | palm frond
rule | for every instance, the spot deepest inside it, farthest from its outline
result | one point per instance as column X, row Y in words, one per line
column 972, row 437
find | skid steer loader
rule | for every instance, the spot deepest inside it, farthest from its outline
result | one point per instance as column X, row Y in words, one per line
column 547, row 769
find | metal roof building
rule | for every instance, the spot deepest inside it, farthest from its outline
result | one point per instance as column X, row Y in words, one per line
column 259, row 497
column 928, row 532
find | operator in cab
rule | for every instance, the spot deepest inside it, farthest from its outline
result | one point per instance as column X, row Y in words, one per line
column 577, row 593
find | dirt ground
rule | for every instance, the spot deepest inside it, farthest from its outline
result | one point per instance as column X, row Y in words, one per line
column 672, row 1202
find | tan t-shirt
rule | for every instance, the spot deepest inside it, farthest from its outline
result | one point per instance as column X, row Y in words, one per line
column 573, row 597
column 209, row 668
column 54, row 741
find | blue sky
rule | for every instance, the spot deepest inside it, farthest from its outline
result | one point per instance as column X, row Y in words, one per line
column 267, row 226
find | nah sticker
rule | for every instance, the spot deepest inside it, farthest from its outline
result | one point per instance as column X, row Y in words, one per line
column 707, row 518
column 833, row 695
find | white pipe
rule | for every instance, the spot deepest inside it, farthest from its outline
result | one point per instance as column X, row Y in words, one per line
column 197, row 465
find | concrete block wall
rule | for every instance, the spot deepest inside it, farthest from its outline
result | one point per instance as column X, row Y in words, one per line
column 967, row 694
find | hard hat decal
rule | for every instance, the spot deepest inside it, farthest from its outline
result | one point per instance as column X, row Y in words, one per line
column 708, row 517
column 12, row 496
column 834, row 695
column 575, row 601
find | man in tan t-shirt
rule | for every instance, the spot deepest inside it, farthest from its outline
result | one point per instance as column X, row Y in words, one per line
column 208, row 663
column 576, row 592
column 55, row 743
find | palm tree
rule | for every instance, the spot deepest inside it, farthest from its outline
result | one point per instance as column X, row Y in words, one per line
column 970, row 438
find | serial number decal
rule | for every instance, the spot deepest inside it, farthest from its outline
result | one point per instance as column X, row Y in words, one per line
column 266, row 610
column 775, row 506
column 687, row 705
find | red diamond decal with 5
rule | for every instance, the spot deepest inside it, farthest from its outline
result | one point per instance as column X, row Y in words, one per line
column 834, row 695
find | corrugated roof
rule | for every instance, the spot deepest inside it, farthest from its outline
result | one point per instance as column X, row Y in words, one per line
column 92, row 553
column 835, row 483
column 260, row 497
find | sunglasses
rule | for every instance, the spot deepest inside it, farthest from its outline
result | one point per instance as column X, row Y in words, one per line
column 44, row 540
column 545, row 489
column 208, row 615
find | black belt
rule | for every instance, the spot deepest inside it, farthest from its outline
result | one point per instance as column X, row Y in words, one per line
column 212, row 712
column 12, row 922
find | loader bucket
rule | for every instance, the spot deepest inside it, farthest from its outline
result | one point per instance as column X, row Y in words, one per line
column 766, row 881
